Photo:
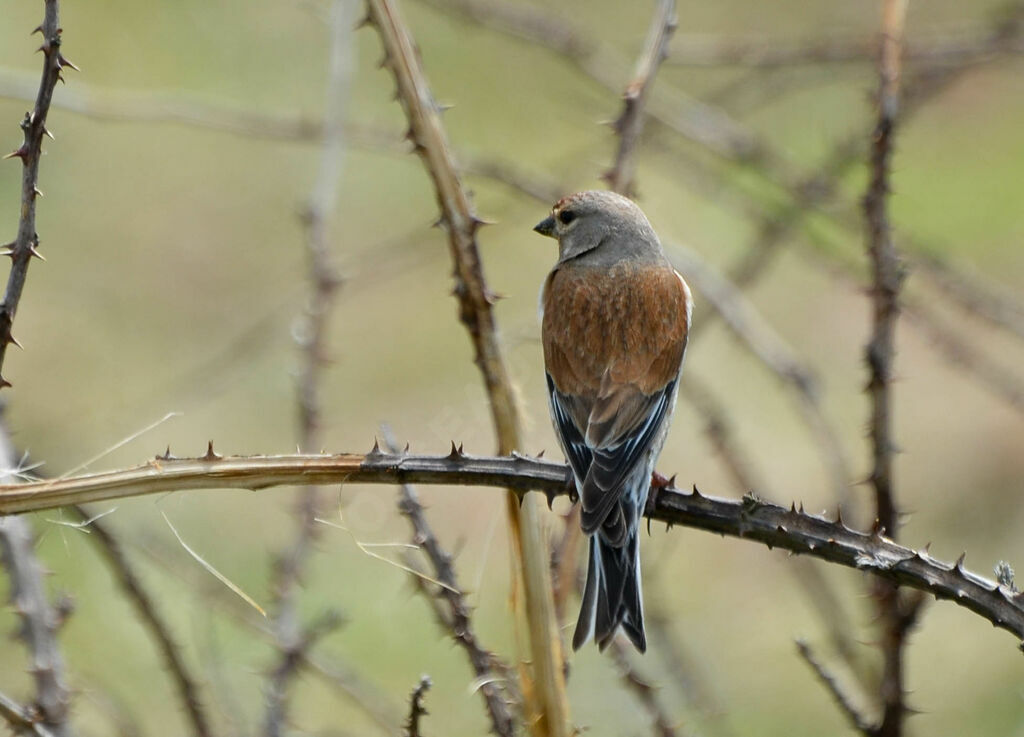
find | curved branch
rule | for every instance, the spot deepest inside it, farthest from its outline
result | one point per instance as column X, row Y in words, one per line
column 749, row 518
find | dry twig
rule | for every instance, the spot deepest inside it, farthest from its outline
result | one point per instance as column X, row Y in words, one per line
column 25, row 245
column 630, row 123
column 458, row 622
column 546, row 698
column 146, row 608
column 416, row 708
column 39, row 619
column 311, row 337
column 842, row 699
column 887, row 277
column 645, row 693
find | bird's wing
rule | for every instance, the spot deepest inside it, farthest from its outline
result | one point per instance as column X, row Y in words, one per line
column 614, row 341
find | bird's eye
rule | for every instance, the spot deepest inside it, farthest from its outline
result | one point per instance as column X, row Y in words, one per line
column 566, row 216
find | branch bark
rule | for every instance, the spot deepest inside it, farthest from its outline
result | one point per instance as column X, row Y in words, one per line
column 896, row 613
column 749, row 518
column 547, row 704
column 24, row 247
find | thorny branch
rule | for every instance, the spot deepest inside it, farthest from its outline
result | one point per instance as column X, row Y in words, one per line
column 20, row 719
column 460, row 625
column 750, row 518
column 546, row 700
column 896, row 613
column 25, row 245
column 458, row 620
column 416, row 708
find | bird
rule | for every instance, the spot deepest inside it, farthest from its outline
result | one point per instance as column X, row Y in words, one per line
column 614, row 317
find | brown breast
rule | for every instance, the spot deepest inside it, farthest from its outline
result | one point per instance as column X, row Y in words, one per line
column 624, row 325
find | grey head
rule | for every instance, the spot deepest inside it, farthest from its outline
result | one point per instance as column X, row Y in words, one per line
column 600, row 228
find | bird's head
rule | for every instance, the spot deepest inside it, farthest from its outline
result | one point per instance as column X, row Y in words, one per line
column 605, row 223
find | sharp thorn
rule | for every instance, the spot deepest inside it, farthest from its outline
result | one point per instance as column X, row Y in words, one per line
column 210, row 455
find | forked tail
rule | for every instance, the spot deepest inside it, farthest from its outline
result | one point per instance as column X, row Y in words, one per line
column 612, row 594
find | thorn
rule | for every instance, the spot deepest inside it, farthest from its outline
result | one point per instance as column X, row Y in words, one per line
column 12, row 339
column 4, row 382
column 19, row 152
column 46, row 132
column 454, row 456
column 32, row 251
column 38, row 29
column 462, row 453
column 375, row 450
column 551, row 499
column 210, row 455
column 801, row 510
column 960, row 562
column 696, row 491
column 37, row 192
column 541, row 454
column 405, row 451
column 792, row 507
column 7, row 250
column 839, row 516
column 649, row 526
column 62, row 62
column 362, row 23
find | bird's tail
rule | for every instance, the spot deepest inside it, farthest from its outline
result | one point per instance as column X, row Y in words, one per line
column 612, row 594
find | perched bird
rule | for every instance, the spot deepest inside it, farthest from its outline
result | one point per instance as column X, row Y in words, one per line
column 615, row 316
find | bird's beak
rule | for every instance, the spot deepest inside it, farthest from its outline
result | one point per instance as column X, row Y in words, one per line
column 546, row 226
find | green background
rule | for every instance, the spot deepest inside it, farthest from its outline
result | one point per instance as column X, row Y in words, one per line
column 176, row 270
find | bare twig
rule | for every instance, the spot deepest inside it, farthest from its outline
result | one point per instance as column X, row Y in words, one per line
column 842, row 699
column 717, row 131
column 39, row 619
column 1003, row 384
column 288, row 666
column 645, row 693
column 887, row 277
column 25, row 245
column 460, row 625
column 311, row 337
column 416, row 708
column 772, row 351
column 750, row 518
column 20, row 719
column 630, row 123
column 766, row 53
column 146, row 608
column 546, row 699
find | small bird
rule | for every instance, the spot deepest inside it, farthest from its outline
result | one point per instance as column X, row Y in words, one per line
column 615, row 317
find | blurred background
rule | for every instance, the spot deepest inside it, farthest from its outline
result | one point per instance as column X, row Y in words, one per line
column 176, row 276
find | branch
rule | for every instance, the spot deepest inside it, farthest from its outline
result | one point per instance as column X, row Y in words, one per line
column 416, row 708
column 459, row 623
column 842, row 699
column 30, row 151
column 887, row 277
column 39, row 619
column 20, row 719
column 749, row 518
column 645, row 693
column 770, row 53
column 547, row 702
column 152, row 619
column 630, row 123
column 324, row 281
